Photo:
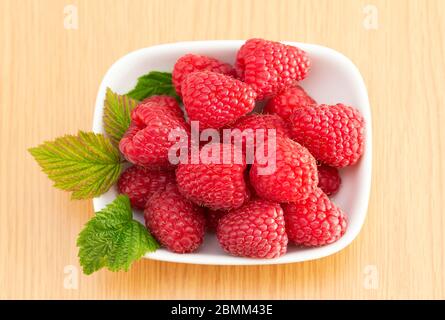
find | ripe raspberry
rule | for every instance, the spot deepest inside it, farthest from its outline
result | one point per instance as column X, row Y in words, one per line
column 315, row 221
column 213, row 217
column 328, row 179
column 146, row 142
column 192, row 62
column 255, row 122
column 285, row 102
column 256, row 230
column 216, row 100
column 174, row 221
column 294, row 177
column 217, row 184
column 333, row 134
column 270, row 66
column 262, row 121
column 139, row 184
column 164, row 103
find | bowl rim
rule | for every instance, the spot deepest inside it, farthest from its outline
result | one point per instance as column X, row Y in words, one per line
column 307, row 254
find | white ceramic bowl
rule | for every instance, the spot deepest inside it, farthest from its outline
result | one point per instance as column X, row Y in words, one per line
column 333, row 78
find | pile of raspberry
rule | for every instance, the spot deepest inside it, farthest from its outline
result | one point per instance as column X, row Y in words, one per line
column 254, row 215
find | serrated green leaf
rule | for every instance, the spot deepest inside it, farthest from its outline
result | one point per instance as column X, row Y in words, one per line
column 113, row 239
column 116, row 118
column 86, row 164
column 153, row 83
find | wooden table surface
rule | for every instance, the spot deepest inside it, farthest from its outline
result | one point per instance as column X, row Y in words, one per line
column 50, row 73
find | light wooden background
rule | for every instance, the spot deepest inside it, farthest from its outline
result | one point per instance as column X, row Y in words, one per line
column 49, row 79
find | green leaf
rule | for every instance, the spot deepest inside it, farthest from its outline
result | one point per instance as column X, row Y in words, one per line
column 117, row 109
column 153, row 83
column 86, row 164
column 112, row 239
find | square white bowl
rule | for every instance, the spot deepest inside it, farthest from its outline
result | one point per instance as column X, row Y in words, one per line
column 332, row 79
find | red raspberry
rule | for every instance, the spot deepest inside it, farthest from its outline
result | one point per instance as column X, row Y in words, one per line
column 192, row 62
column 270, row 66
column 175, row 222
column 262, row 121
column 328, row 179
column 294, row 177
column 315, row 221
column 164, row 103
column 157, row 105
column 146, row 143
column 213, row 217
column 259, row 121
column 256, row 230
column 333, row 134
column 139, row 184
column 285, row 102
column 217, row 184
column 216, row 100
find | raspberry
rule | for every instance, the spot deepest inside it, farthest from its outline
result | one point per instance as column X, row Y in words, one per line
column 157, row 105
column 249, row 125
column 216, row 100
column 333, row 134
column 164, row 103
column 217, row 184
column 213, row 217
column 328, row 179
column 294, row 177
column 175, row 222
column 315, row 221
column 285, row 102
column 139, row 184
column 192, row 62
column 262, row 121
column 146, row 142
column 254, row 122
column 270, row 66
column 256, row 230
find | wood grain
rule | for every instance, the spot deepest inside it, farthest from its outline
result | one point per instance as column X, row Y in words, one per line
column 49, row 79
